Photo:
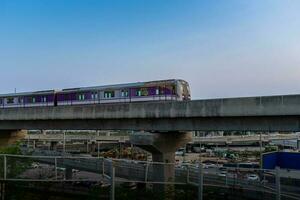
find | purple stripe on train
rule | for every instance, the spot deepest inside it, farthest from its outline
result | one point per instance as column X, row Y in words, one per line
column 73, row 96
column 38, row 99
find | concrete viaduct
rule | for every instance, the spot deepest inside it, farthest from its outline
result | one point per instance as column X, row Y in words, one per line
column 170, row 121
column 270, row 113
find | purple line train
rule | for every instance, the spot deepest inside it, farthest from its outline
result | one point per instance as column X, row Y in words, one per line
column 171, row 90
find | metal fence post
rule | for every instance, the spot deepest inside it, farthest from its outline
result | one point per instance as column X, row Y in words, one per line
column 98, row 149
column 112, row 182
column 4, row 167
column 64, row 142
column 200, row 182
column 28, row 140
column 226, row 180
column 103, row 167
column 55, row 165
column 278, row 189
column 146, row 172
column 188, row 174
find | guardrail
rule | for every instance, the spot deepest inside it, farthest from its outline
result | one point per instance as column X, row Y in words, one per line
column 63, row 169
column 208, row 139
column 248, row 138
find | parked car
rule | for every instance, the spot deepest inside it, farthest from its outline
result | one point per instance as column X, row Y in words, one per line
column 223, row 168
column 35, row 165
column 179, row 153
column 252, row 177
column 75, row 170
column 222, row 174
column 209, row 165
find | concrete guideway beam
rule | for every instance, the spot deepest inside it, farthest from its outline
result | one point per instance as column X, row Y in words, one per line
column 287, row 105
column 269, row 113
column 259, row 123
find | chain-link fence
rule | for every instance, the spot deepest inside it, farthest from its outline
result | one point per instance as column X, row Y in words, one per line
column 122, row 178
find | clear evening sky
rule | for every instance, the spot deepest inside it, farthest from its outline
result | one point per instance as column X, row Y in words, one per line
column 222, row 48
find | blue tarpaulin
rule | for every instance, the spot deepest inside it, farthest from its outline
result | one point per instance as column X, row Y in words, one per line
column 284, row 160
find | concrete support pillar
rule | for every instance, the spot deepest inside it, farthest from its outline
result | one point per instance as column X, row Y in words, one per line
column 93, row 147
column 163, row 147
column 68, row 173
column 120, row 150
column 53, row 145
column 8, row 137
column 87, row 146
column 43, row 132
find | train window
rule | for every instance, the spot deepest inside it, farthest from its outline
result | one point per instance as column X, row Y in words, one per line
column 161, row 91
column 157, row 91
column 138, row 93
column 1, row 101
column 44, row 99
column 173, row 89
column 10, row 100
column 141, row 92
column 109, row 94
column 124, row 93
column 21, row 100
column 81, row 97
column 144, row 92
column 31, row 99
column 94, row 95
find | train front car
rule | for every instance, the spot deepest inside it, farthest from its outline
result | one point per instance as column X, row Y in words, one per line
column 154, row 91
column 28, row 99
column 163, row 90
column 183, row 90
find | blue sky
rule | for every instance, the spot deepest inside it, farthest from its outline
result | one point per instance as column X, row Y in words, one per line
column 222, row 48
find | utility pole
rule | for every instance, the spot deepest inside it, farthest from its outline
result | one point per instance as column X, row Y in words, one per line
column 200, row 181
column 98, row 149
column 260, row 149
column 64, row 142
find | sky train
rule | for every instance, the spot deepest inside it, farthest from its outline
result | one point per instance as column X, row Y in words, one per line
column 173, row 89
